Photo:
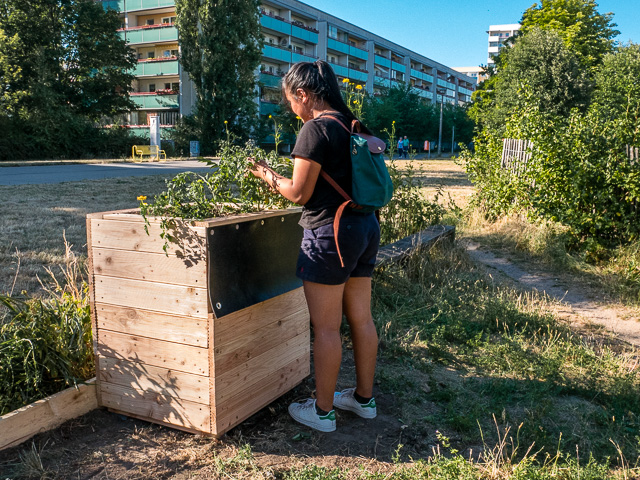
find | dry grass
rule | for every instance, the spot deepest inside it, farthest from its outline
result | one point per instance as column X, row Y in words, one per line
column 441, row 175
column 35, row 217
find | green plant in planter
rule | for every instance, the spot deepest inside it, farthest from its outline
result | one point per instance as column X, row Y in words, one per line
column 227, row 189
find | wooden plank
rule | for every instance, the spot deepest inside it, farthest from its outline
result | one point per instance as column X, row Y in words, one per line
column 152, row 267
column 148, row 351
column 92, row 299
column 46, row 414
column 252, row 318
column 147, row 378
column 244, row 347
column 229, row 383
column 172, row 328
column 399, row 250
column 157, row 297
column 156, row 407
column 130, row 235
column 251, row 400
column 243, row 217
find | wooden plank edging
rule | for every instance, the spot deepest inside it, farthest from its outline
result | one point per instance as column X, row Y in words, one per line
column 47, row 414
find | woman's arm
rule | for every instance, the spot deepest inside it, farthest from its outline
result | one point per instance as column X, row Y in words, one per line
column 297, row 189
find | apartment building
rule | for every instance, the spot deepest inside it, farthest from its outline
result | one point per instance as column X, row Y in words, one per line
column 477, row 73
column 293, row 31
column 498, row 34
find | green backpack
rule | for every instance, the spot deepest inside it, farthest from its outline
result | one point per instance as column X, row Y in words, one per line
column 371, row 185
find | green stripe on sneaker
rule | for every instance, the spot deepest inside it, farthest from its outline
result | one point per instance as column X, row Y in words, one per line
column 371, row 404
column 329, row 416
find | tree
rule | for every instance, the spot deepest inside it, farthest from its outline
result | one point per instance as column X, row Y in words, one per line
column 617, row 90
column 582, row 28
column 221, row 47
column 540, row 63
column 416, row 118
column 63, row 54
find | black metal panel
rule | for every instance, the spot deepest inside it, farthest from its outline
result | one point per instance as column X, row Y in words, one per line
column 252, row 261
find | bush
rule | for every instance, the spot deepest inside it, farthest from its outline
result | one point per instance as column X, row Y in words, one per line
column 578, row 175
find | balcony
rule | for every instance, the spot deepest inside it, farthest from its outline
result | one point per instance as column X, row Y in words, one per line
column 384, row 62
column 156, row 67
column 147, row 4
column 399, row 67
column 341, row 70
column 304, row 34
column 155, row 100
column 298, row 29
column 277, row 53
column 149, row 34
column 270, row 79
column 275, row 23
column 337, row 46
column 132, row 5
column 356, row 74
column 358, row 52
column 300, row 57
column 267, row 108
column 117, row 5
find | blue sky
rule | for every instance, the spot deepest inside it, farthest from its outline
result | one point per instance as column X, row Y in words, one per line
column 454, row 32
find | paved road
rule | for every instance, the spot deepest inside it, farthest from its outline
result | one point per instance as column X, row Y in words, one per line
column 92, row 171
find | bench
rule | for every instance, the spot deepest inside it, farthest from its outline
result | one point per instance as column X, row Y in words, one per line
column 153, row 151
column 398, row 251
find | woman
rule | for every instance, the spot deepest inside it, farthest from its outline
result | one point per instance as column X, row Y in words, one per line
column 330, row 289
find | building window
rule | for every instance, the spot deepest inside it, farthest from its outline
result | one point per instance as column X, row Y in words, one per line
column 175, row 86
column 168, row 20
column 151, row 54
column 332, row 32
column 152, row 87
column 174, row 53
column 150, row 22
column 167, row 86
column 333, row 59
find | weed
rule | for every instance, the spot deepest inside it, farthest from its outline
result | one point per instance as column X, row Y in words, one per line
column 45, row 344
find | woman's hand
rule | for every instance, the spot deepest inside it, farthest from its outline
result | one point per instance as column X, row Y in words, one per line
column 259, row 169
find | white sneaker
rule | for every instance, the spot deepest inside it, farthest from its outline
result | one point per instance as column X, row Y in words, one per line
column 344, row 400
column 306, row 414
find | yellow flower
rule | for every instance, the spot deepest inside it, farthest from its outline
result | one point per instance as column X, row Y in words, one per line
column 225, row 122
column 298, row 117
column 269, row 116
column 346, row 80
column 141, row 197
column 394, row 122
column 358, row 87
column 355, row 102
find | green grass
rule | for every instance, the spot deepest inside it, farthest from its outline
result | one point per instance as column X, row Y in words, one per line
column 466, row 357
column 615, row 272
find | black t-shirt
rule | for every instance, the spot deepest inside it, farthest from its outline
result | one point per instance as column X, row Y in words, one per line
column 325, row 141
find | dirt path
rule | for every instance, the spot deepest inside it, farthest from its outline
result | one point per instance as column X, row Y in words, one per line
column 573, row 302
column 576, row 305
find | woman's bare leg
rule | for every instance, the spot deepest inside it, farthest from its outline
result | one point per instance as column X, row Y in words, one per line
column 325, row 310
column 357, row 308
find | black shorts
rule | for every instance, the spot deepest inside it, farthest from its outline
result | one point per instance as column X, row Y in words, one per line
column 359, row 239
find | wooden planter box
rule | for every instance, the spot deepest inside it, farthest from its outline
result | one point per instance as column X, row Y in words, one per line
column 204, row 337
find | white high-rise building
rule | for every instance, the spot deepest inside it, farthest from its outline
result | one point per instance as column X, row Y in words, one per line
column 498, row 34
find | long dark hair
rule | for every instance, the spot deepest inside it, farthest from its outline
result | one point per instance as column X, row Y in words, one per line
column 318, row 79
